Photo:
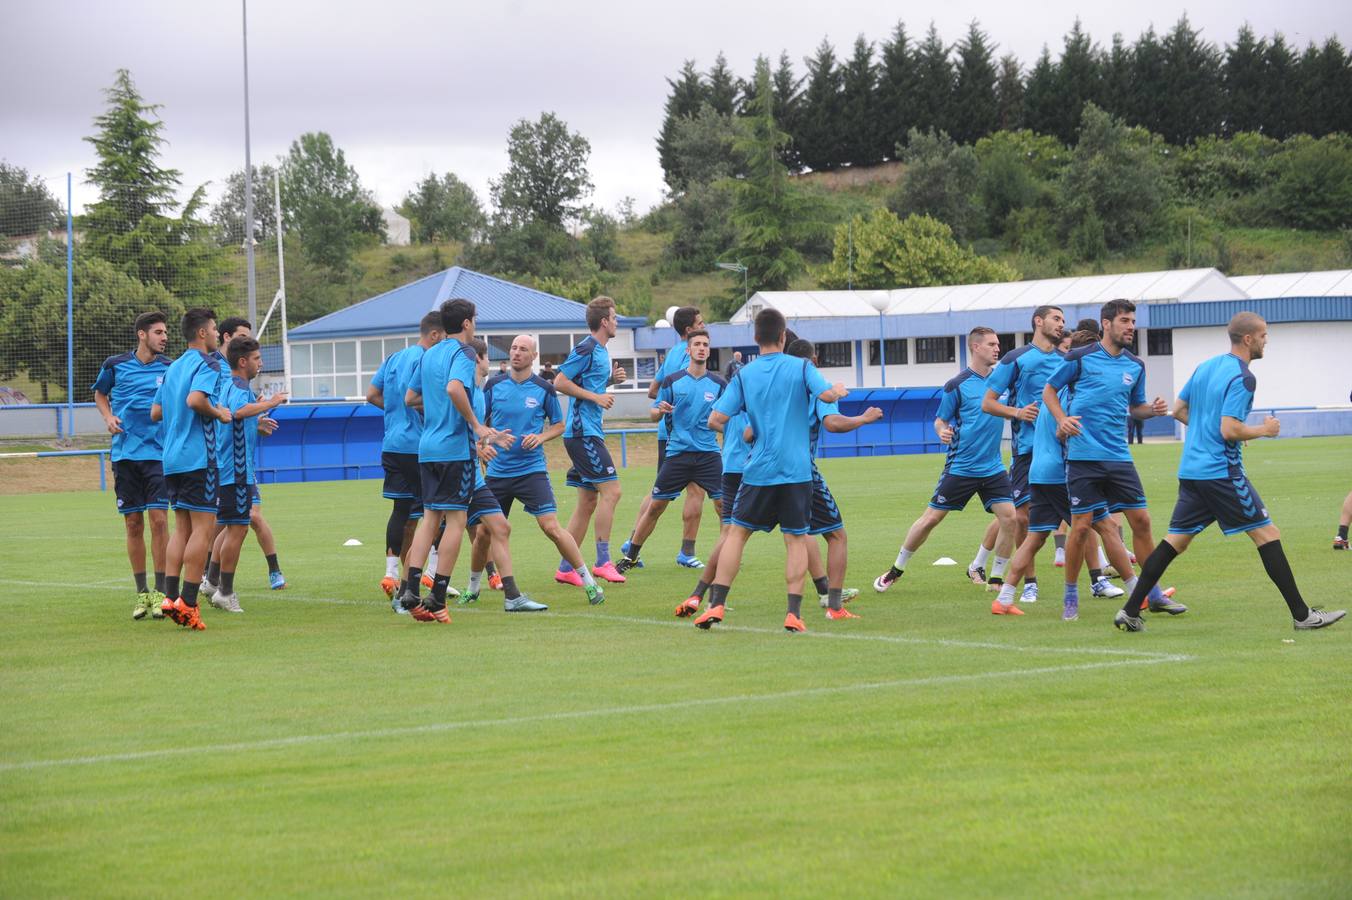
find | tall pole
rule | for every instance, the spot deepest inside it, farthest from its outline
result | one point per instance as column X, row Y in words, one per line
column 248, row 179
column 882, row 349
column 70, row 316
column 281, row 281
column 745, row 295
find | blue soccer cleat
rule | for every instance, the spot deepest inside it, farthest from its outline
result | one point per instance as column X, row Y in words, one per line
column 689, row 562
column 624, row 551
column 276, row 581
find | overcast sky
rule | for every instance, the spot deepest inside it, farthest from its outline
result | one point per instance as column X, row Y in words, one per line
column 408, row 88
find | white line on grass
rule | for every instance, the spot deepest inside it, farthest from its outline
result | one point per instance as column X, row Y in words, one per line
column 597, row 713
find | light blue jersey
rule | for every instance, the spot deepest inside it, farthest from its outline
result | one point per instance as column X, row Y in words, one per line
column 777, row 393
column 693, row 399
column 588, row 367
column 1103, row 388
column 476, row 400
column 677, row 359
column 1221, row 387
column 1023, row 373
column 446, row 436
column 237, row 440
column 974, row 451
column 130, row 386
column 523, row 408
column 403, row 426
column 1049, row 454
column 189, row 439
column 820, row 410
column 736, row 451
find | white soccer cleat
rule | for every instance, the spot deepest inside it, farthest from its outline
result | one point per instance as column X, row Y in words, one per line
column 1105, row 589
column 226, row 602
column 1319, row 618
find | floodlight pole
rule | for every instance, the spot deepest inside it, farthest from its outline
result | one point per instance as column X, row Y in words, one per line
column 281, row 281
column 739, row 267
column 248, row 179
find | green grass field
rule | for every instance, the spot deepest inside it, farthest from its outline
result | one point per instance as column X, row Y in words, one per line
column 320, row 745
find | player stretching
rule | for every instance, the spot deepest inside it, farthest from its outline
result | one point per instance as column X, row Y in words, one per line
column 399, row 450
column 1212, row 483
column 1107, row 383
column 584, row 377
column 237, row 442
column 186, row 403
column 123, row 394
column 973, row 464
column 683, row 321
column 684, row 402
column 776, row 392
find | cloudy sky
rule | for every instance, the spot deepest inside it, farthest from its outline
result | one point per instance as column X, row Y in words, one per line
column 408, row 88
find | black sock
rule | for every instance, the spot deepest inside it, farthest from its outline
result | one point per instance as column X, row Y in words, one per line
column 634, row 550
column 214, row 572
column 895, row 573
column 821, row 585
column 190, row 593
column 1342, row 532
column 688, row 548
column 795, row 604
column 1095, row 575
column 833, row 598
column 1060, row 541
column 206, row 567
column 439, row 585
column 1279, row 570
column 273, row 565
column 700, row 588
column 141, row 587
column 509, row 587
column 171, row 587
column 1151, row 573
column 718, row 595
column 1031, row 579
column 414, row 580
column 159, row 582
column 997, row 580
column 227, row 583
column 490, row 569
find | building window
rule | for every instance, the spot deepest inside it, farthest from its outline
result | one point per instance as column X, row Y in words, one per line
column 639, row 372
column 935, row 350
column 896, row 352
column 1159, row 341
column 554, row 348
column 835, row 355
column 1006, row 343
column 1028, row 337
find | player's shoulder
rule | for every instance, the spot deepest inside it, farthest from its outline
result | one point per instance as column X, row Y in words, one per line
column 118, row 359
column 587, row 346
column 163, row 360
column 496, row 380
column 542, row 383
column 468, row 350
column 958, row 380
column 1250, row 380
column 674, row 377
column 212, row 362
column 1080, row 353
column 1015, row 355
column 1133, row 358
column 717, row 379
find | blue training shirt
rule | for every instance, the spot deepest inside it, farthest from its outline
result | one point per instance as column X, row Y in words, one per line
column 523, row 408
column 676, row 360
column 237, row 440
column 736, row 452
column 777, row 393
column 403, row 425
column 189, row 439
column 130, row 386
column 1222, row 386
column 820, row 410
column 588, row 367
column 476, row 400
column 1049, row 454
column 1103, row 388
column 693, row 399
column 446, row 436
column 974, row 451
column 1023, row 373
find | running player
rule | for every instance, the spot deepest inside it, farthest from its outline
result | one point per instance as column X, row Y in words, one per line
column 683, row 321
column 973, row 464
column 519, row 403
column 584, row 377
column 684, row 402
column 1107, row 383
column 1212, row 483
column 186, row 403
column 399, row 449
column 123, row 394
column 776, row 393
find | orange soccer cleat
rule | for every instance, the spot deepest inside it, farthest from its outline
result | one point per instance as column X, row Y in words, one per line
column 712, row 616
column 999, row 609
column 189, row 617
column 388, row 584
column 495, row 582
column 794, row 624
column 836, row 615
column 688, row 607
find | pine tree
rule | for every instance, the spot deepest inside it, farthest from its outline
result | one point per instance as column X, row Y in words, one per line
column 1115, row 66
column 897, row 80
column 820, row 133
column 721, row 93
column 687, row 93
column 1242, row 83
column 1147, row 82
column 1326, row 80
column 788, row 98
column 1009, row 94
column 1077, row 82
column 1192, row 85
column 974, row 102
column 858, row 101
column 1281, row 92
column 934, row 84
column 1040, row 113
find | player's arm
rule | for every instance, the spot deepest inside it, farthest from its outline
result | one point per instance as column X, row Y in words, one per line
column 376, row 397
column 664, row 404
column 106, row 410
column 200, row 403
column 156, row 412
column 1181, row 410
column 838, row 424
column 413, row 400
column 1066, row 425
column 260, row 406
column 943, row 430
column 1156, row 407
column 531, row 441
column 991, row 405
column 1233, row 429
column 570, row 388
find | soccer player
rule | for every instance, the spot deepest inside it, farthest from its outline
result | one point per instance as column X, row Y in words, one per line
column 684, row 401
column 973, row 464
column 1344, row 520
column 584, row 377
column 776, row 393
column 237, row 442
column 520, row 403
column 442, row 382
column 186, row 403
column 123, row 394
column 1107, row 383
column 684, row 320
column 399, row 449
column 1212, row 483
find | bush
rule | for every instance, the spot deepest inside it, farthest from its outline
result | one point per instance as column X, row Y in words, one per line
column 1314, row 184
column 940, row 176
column 889, row 253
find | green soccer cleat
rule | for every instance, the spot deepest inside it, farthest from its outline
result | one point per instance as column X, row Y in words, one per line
column 595, row 596
column 143, row 606
column 156, row 604
column 467, row 598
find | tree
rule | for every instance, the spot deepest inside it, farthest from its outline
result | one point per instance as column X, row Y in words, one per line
column 788, row 100
column 687, row 94
column 820, row 139
column 1192, row 99
column 227, row 216
column 1243, row 80
column 940, row 178
column 1077, row 82
column 974, row 113
column 881, row 251
column 704, row 148
column 1009, row 94
column 933, row 84
column 324, row 204
column 1281, row 119
column 1326, row 83
column 546, row 179
column 1314, row 183
column 601, row 241
column 896, row 90
column 1148, row 82
column 1040, row 100
column 858, row 100
column 1018, row 169
column 1114, row 185
column 26, row 203
column 443, row 209
column 721, row 93
column 1115, row 88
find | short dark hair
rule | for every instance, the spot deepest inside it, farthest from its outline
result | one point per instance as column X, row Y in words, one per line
column 455, row 313
column 683, row 319
column 769, row 327
column 239, row 348
column 147, row 319
column 1242, row 324
column 598, row 310
column 1041, row 313
column 1089, row 325
column 194, row 320
column 697, row 332
column 1083, row 337
column 1114, row 308
column 978, row 333
column 229, row 326
column 480, row 347
column 801, row 348
column 431, row 322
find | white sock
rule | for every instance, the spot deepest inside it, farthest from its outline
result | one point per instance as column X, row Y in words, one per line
column 1006, row 597
column 475, row 580
column 431, row 560
column 1130, row 585
column 1103, row 561
column 903, row 557
column 999, row 568
column 391, row 567
column 1060, row 552
column 982, row 554
column 586, row 574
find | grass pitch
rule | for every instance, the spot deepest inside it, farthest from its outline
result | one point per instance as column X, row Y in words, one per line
column 319, row 744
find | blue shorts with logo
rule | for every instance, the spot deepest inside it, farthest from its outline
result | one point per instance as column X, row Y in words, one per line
column 765, row 507
column 194, row 491
column 233, row 504
column 701, row 467
column 1018, row 478
column 533, row 490
column 1232, row 503
column 1051, row 506
column 1103, row 484
column 592, row 464
column 482, row 503
column 448, row 485
column 139, row 485
column 732, row 483
column 825, row 513
column 953, row 491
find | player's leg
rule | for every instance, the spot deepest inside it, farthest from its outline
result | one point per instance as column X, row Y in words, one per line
column 133, row 523
column 195, row 554
column 211, row 577
column 1114, row 552
column 228, row 548
column 398, row 533
column 730, row 549
column 159, row 546
column 268, row 543
column 1267, row 539
column 608, row 499
column 428, row 527
column 837, row 559
column 690, row 518
column 816, row 569
column 1077, row 541
column 173, row 554
column 1005, row 542
column 480, row 545
column 1059, row 539
column 448, row 553
column 587, row 498
column 568, row 550
column 795, row 570
column 647, row 521
column 1139, row 520
column 977, row 570
column 916, row 536
column 1344, row 521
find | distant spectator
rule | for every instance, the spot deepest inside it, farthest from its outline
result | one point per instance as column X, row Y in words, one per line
column 734, row 365
column 547, row 373
column 502, row 367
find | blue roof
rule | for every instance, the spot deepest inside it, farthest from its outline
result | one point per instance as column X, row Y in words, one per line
column 502, row 306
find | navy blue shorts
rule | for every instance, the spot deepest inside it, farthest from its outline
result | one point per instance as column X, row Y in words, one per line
column 763, row 507
column 448, row 485
column 403, row 480
column 257, row 497
column 732, row 483
column 701, row 467
column 661, row 453
column 1051, row 507
column 1097, row 484
column 194, row 491
column 825, row 514
column 953, row 491
column 139, row 485
column 1233, row 503
column 1018, row 478
column 482, row 503
column 233, row 504
column 592, row 464
column 533, row 490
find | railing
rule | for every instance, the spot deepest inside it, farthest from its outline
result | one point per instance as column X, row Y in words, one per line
column 50, row 454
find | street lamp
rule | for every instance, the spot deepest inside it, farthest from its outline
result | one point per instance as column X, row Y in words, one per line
column 880, row 301
column 738, row 267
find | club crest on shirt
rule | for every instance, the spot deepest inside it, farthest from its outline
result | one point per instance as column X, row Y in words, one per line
column 708, row 396
column 941, row 498
column 531, row 403
column 1127, row 378
column 159, row 381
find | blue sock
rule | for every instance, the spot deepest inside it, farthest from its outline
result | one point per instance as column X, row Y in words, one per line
column 564, row 566
column 602, row 552
column 1073, row 591
column 1157, row 596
